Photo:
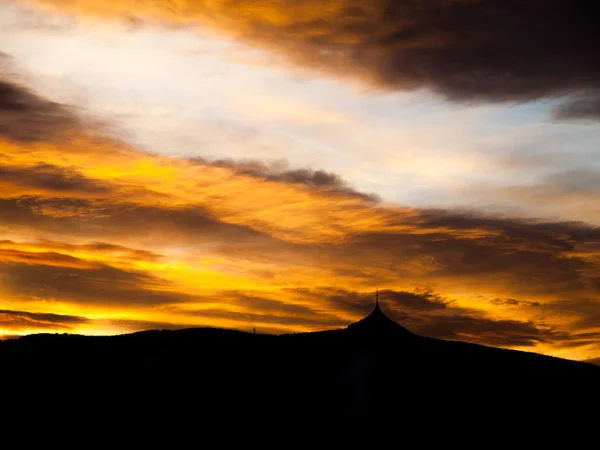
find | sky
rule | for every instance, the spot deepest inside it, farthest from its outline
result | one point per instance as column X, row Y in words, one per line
column 268, row 165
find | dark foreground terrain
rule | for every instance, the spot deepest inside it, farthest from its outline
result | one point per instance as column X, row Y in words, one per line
column 374, row 368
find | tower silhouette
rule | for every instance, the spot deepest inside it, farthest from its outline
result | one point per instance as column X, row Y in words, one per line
column 377, row 323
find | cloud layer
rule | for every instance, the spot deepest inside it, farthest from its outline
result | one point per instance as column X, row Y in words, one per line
column 466, row 50
column 123, row 239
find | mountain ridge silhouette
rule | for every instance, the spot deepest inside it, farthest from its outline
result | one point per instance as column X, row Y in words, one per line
column 350, row 373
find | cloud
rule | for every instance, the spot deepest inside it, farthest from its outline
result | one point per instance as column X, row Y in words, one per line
column 52, row 178
column 43, row 258
column 281, row 321
column 280, row 172
column 20, row 320
column 26, row 117
column 483, row 330
column 417, row 301
column 573, row 193
column 466, row 50
column 526, row 259
column 583, row 107
column 96, row 286
column 112, row 220
column 106, row 248
column 557, row 235
column 584, row 311
column 93, row 248
column 513, row 302
column 427, row 313
column 156, row 239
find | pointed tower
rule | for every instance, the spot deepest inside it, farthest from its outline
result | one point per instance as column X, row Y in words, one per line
column 377, row 312
column 377, row 322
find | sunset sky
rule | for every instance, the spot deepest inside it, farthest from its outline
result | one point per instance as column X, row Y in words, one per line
column 268, row 164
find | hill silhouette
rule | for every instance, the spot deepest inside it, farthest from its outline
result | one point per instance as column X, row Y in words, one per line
column 374, row 367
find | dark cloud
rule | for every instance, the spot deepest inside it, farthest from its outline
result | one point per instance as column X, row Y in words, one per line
column 487, row 331
column 95, row 247
column 513, row 302
column 560, row 235
column 593, row 361
column 280, row 172
column 467, row 50
column 45, row 258
column 49, row 177
column 583, row 107
column 132, row 253
column 584, row 311
column 315, row 321
column 50, row 249
column 257, row 303
column 356, row 303
column 107, row 218
column 531, row 257
column 254, row 310
column 419, row 300
column 533, row 263
column 26, row 117
column 575, row 339
column 22, row 319
column 102, row 285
